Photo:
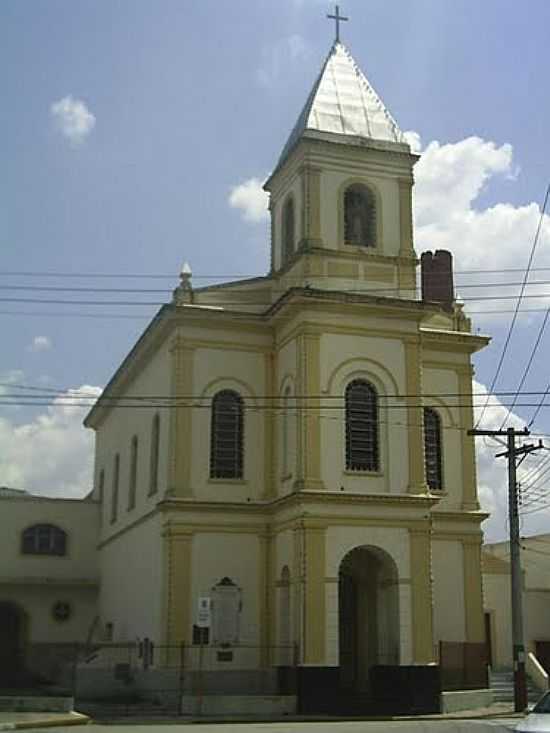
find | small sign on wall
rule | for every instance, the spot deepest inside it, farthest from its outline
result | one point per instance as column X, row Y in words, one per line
column 204, row 615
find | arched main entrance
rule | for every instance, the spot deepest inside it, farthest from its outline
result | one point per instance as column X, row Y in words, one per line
column 12, row 639
column 368, row 603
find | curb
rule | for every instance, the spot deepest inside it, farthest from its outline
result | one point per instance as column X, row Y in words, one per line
column 74, row 719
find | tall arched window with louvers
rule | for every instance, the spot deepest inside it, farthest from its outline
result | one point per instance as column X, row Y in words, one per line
column 432, row 449
column 361, row 426
column 226, row 435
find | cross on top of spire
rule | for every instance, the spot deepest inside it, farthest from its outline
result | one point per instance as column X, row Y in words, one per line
column 337, row 17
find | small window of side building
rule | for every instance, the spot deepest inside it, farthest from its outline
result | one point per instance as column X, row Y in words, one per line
column 226, row 436
column 44, row 539
column 359, row 216
column 432, row 449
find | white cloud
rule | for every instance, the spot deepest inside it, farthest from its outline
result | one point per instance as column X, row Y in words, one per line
column 73, row 119
column 10, row 378
column 53, row 453
column 279, row 57
column 40, row 343
column 251, row 199
column 492, row 473
column 449, row 180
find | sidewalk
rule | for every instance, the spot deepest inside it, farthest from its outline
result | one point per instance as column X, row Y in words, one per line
column 18, row 721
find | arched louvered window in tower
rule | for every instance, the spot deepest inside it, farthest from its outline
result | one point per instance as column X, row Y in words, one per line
column 43, row 539
column 359, row 216
column 154, row 458
column 226, row 435
column 361, row 427
column 432, row 449
column 288, row 229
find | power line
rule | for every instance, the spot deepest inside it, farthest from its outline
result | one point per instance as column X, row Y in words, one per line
column 226, row 276
column 528, row 367
column 518, row 304
column 87, row 289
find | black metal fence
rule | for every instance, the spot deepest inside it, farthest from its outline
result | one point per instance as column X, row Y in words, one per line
column 463, row 665
column 146, row 679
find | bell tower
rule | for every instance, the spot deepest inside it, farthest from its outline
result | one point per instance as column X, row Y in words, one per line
column 341, row 193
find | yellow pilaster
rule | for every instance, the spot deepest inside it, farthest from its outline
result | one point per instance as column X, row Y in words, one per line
column 415, row 417
column 177, row 558
column 181, row 418
column 308, row 403
column 469, row 483
column 311, row 207
column 473, row 593
column 266, row 599
column 421, row 596
column 270, row 423
column 406, row 246
column 313, row 560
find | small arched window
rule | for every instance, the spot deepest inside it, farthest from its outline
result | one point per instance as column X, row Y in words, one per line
column 288, row 229
column 44, row 539
column 359, row 216
column 361, row 426
column 132, row 485
column 226, row 435
column 432, row 449
column 154, row 465
column 114, row 495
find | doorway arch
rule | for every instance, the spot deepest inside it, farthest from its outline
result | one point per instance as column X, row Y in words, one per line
column 13, row 633
column 368, row 611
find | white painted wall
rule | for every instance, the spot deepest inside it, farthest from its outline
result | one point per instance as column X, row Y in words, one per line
column 115, row 434
column 132, row 582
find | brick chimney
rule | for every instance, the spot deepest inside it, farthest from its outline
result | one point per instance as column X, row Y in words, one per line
column 437, row 277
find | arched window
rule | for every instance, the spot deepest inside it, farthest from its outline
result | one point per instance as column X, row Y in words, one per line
column 288, row 229
column 44, row 539
column 154, row 464
column 359, row 216
column 132, row 485
column 114, row 495
column 432, row 449
column 226, row 435
column 361, row 426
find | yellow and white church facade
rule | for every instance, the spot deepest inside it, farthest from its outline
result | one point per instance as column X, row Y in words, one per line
column 303, row 436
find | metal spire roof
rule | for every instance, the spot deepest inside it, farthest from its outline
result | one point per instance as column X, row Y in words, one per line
column 342, row 101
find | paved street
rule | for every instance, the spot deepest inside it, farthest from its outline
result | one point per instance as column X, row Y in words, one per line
column 421, row 726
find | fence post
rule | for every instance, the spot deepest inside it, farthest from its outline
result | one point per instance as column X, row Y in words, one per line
column 181, row 678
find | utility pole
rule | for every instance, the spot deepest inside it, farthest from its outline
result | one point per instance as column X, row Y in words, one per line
column 512, row 453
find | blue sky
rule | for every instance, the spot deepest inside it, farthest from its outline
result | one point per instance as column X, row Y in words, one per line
column 191, row 99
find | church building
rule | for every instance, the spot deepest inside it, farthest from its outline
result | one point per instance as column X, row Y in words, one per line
column 296, row 458
column 282, row 464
